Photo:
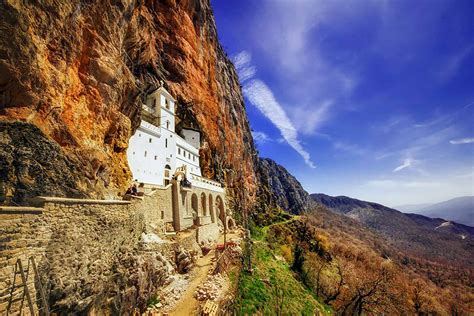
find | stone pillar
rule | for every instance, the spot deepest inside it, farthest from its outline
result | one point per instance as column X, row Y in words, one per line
column 177, row 209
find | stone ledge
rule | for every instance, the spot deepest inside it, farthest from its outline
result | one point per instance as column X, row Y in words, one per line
column 20, row 210
column 41, row 200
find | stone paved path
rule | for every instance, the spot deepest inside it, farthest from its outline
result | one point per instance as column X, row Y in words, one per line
column 188, row 305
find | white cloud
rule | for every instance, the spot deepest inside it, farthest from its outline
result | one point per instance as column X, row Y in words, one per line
column 242, row 64
column 261, row 96
column 309, row 119
column 406, row 163
column 462, row 141
column 312, row 83
column 260, row 137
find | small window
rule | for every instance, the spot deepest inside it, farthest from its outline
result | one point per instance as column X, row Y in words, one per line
column 149, row 140
column 154, row 103
column 156, row 157
column 167, row 124
column 133, row 153
column 139, row 135
column 179, row 151
column 166, row 142
column 189, row 156
column 194, row 158
column 145, row 153
column 167, row 103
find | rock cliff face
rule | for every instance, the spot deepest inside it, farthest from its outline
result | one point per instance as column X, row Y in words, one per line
column 77, row 70
column 284, row 191
column 35, row 165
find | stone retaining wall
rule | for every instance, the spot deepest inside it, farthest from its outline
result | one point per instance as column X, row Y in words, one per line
column 23, row 234
column 82, row 249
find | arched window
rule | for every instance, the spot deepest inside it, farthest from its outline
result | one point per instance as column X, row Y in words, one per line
column 203, row 204
column 167, row 175
column 211, row 209
column 220, row 209
column 194, row 202
column 168, row 124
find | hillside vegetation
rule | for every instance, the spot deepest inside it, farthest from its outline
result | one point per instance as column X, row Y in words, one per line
column 342, row 267
column 274, row 287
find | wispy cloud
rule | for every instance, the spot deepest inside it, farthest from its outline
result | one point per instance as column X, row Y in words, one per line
column 406, row 163
column 243, row 66
column 308, row 120
column 261, row 96
column 467, row 140
column 260, row 137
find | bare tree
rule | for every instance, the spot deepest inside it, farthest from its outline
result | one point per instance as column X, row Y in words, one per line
column 369, row 295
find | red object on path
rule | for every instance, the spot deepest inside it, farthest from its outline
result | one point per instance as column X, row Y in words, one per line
column 229, row 244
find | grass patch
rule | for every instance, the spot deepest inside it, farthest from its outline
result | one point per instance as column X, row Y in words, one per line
column 272, row 288
column 153, row 301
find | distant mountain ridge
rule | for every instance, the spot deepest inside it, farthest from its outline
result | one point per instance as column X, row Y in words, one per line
column 411, row 208
column 432, row 238
column 460, row 210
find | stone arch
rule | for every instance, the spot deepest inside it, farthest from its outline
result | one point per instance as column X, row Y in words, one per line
column 220, row 209
column 230, row 223
column 211, row 209
column 194, row 202
column 203, row 204
column 194, row 207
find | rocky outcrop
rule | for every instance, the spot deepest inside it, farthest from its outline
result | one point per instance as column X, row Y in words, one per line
column 77, row 70
column 280, row 188
column 35, row 165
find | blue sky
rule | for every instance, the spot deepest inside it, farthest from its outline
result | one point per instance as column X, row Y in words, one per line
column 370, row 99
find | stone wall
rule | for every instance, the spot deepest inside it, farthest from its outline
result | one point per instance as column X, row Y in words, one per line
column 86, row 252
column 207, row 205
column 22, row 235
column 157, row 209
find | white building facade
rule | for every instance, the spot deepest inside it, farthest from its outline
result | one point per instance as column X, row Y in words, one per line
column 156, row 150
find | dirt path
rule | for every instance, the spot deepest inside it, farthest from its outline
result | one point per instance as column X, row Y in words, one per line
column 187, row 304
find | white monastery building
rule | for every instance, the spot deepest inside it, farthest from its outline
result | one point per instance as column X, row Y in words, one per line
column 167, row 163
column 156, row 150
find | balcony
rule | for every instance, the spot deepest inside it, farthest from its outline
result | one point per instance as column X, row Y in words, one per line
column 148, row 109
